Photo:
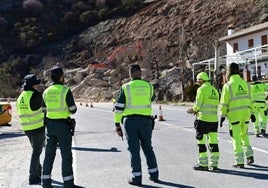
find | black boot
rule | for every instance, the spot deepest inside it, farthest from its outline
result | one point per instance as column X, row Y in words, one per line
column 199, row 167
column 136, row 183
column 250, row 161
column 238, row 166
column 263, row 133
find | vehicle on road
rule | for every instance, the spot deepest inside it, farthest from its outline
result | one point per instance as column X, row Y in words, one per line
column 5, row 114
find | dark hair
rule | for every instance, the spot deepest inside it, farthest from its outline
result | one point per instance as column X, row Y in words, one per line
column 134, row 68
column 56, row 73
column 234, row 68
column 254, row 78
column 55, row 77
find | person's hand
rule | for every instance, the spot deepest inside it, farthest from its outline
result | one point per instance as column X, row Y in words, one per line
column 253, row 118
column 118, row 129
column 222, row 120
column 190, row 111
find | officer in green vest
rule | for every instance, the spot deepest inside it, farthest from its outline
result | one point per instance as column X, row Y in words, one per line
column 206, row 123
column 260, row 107
column 236, row 105
column 133, row 108
column 59, row 104
column 31, row 118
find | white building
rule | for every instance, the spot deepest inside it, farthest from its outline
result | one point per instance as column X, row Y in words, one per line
column 249, row 48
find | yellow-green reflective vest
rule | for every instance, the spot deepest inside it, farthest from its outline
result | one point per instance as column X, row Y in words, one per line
column 30, row 120
column 206, row 104
column 55, row 101
column 258, row 94
column 138, row 95
column 236, row 99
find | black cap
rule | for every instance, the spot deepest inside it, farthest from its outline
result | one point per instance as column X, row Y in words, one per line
column 134, row 67
column 56, row 70
column 30, row 80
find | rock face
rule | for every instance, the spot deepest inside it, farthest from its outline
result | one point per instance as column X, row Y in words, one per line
column 174, row 34
column 164, row 38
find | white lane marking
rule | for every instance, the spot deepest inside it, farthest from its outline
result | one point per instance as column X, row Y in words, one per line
column 228, row 141
column 190, row 130
column 74, row 160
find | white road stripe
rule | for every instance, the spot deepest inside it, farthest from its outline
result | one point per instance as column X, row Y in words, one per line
column 74, row 160
column 229, row 141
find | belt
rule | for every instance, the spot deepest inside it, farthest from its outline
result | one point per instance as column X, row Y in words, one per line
column 57, row 120
column 138, row 116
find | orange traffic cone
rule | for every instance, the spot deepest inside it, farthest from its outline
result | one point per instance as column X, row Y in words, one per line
column 160, row 117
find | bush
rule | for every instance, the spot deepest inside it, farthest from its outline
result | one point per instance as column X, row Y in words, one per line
column 88, row 16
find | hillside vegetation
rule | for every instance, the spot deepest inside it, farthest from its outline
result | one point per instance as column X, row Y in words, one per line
column 34, row 34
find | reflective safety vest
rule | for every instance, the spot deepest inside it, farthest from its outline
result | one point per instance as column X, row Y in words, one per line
column 236, row 99
column 258, row 94
column 206, row 104
column 30, row 120
column 55, row 101
column 138, row 95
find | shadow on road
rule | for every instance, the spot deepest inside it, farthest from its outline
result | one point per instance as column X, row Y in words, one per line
column 11, row 135
column 96, row 149
column 246, row 174
column 166, row 184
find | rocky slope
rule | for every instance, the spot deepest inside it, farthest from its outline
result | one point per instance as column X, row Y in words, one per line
column 174, row 34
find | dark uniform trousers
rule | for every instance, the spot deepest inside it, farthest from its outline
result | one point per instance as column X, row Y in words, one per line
column 139, row 133
column 37, row 143
column 58, row 132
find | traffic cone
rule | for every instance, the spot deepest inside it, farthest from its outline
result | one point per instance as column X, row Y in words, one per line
column 160, row 117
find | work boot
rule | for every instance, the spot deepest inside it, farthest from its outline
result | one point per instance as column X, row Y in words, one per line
column 136, row 183
column 199, row 167
column 238, row 166
column 213, row 168
column 33, row 181
column 257, row 135
column 154, row 179
column 263, row 133
column 250, row 161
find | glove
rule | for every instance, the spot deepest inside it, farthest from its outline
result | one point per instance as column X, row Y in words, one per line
column 253, row 118
column 222, row 120
column 190, row 111
column 118, row 130
column 153, row 121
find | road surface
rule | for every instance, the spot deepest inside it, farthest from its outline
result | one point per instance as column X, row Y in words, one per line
column 101, row 158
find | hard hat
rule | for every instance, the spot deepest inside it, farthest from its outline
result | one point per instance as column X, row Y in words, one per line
column 202, row 76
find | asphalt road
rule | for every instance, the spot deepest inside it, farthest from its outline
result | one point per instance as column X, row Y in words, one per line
column 101, row 158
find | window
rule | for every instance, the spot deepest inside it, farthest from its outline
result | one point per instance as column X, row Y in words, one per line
column 235, row 47
column 264, row 42
column 263, row 39
column 250, row 43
